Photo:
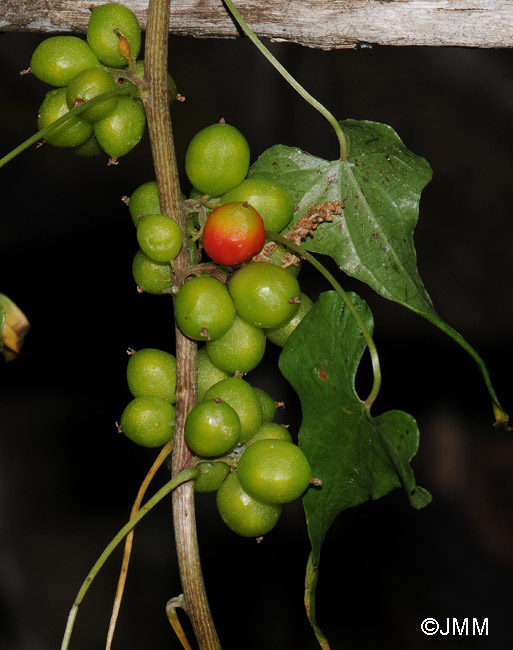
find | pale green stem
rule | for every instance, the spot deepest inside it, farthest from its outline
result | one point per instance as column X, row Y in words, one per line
column 376, row 370
column 288, row 77
column 183, row 477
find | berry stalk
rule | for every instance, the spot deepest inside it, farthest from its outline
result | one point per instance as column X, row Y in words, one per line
column 166, row 171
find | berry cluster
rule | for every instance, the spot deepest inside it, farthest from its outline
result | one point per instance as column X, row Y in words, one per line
column 233, row 304
column 81, row 71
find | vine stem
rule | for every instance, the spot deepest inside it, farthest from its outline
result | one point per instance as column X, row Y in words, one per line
column 187, row 475
column 290, row 79
column 164, row 159
column 163, row 454
column 127, row 89
column 376, row 370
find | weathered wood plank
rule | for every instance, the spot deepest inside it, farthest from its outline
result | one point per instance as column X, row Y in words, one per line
column 315, row 23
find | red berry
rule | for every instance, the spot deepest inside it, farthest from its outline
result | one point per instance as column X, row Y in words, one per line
column 233, row 233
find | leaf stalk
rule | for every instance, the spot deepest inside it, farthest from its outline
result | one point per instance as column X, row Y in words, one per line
column 376, row 370
column 290, row 79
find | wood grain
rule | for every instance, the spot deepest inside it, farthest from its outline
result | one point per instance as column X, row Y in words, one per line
column 323, row 24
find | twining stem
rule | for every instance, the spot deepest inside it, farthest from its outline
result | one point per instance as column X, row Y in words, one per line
column 331, row 279
column 290, row 79
column 125, row 89
column 187, row 475
column 163, row 454
column 166, row 171
column 501, row 417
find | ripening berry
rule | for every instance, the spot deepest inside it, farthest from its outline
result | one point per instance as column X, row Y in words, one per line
column 233, row 233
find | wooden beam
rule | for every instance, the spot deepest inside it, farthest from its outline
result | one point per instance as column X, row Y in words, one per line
column 323, row 24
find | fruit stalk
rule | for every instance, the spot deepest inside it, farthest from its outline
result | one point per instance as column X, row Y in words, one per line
column 166, row 171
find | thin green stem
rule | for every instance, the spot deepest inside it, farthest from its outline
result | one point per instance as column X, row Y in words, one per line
column 376, row 370
column 127, row 89
column 290, row 79
column 501, row 417
column 183, row 477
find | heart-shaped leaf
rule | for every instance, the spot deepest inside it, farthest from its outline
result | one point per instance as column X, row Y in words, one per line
column 378, row 188
column 373, row 201
column 356, row 457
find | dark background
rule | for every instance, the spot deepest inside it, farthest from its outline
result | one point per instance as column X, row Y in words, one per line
column 67, row 479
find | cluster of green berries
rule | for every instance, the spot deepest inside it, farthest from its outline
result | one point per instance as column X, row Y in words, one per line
column 160, row 240
column 250, row 460
column 82, row 70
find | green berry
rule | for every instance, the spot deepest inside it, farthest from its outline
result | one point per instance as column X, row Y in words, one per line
column 217, row 159
column 241, row 396
column 208, row 374
column 270, row 431
column 160, row 237
column 270, row 200
column 212, row 428
column 242, row 513
column 57, row 59
column 265, row 295
column 72, row 133
column 279, row 335
column 148, row 421
column 152, row 372
column 240, row 349
column 144, row 200
column 150, row 276
column 87, row 85
column 267, row 403
column 89, row 148
column 204, row 309
column 105, row 22
column 123, row 128
column 274, row 471
column 212, row 475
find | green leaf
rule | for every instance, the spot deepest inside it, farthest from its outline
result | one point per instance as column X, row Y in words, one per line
column 357, row 457
column 379, row 187
column 371, row 238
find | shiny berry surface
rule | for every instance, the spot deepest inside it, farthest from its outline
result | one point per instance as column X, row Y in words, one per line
column 242, row 513
column 217, row 159
column 240, row 349
column 148, row 421
column 233, row 233
column 212, row 428
column 102, row 33
column 204, row 309
column 265, row 295
column 87, row 85
column 57, row 59
column 241, row 396
column 152, row 372
column 269, row 198
column 72, row 133
column 274, row 471
column 122, row 129
column 150, row 276
column 160, row 237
